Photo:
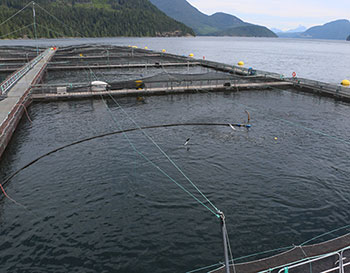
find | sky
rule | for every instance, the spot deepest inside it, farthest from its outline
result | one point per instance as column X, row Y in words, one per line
column 279, row 14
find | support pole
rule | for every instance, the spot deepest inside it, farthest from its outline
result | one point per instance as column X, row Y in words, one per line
column 35, row 32
column 223, row 228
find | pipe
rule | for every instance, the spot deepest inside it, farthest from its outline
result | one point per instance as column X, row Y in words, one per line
column 7, row 180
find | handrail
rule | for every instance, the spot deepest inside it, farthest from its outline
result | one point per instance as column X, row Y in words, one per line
column 15, row 77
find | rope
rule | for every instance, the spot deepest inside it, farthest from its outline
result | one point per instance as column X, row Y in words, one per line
column 146, row 158
column 156, row 166
column 58, row 20
column 8, row 179
column 324, row 234
column 25, row 110
column 27, row 26
column 164, row 153
column 11, row 199
column 17, row 13
column 229, row 246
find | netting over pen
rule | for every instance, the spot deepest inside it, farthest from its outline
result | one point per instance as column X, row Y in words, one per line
column 330, row 256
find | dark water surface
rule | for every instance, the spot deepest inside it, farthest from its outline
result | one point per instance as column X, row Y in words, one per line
column 99, row 207
column 322, row 60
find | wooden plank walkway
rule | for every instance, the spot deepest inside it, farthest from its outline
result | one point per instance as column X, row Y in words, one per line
column 11, row 108
column 159, row 91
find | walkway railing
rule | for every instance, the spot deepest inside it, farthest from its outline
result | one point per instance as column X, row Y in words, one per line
column 15, row 77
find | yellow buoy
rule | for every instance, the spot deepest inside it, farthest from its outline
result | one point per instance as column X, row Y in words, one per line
column 146, row 47
column 345, row 83
column 276, row 138
column 191, row 55
column 240, row 63
column 163, row 50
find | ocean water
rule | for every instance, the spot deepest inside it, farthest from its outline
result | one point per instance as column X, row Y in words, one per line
column 322, row 60
column 99, row 206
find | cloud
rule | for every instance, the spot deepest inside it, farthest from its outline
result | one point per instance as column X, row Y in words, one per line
column 274, row 11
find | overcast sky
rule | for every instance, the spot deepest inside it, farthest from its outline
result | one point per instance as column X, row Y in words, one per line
column 280, row 14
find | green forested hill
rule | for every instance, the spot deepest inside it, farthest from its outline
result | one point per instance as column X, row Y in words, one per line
column 247, row 31
column 218, row 24
column 88, row 18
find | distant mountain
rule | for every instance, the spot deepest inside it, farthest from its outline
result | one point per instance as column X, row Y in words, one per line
column 300, row 28
column 88, row 18
column 204, row 24
column 289, row 34
column 336, row 30
column 276, row 30
column 244, row 31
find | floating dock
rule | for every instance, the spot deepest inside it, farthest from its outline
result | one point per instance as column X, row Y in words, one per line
column 16, row 97
column 326, row 257
column 128, row 71
column 69, row 72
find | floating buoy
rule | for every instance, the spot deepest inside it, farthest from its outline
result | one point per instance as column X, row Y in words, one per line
column 191, row 55
column 345, row 83
column 276, row 138
column 163, row 50
column 294, row 74
column 203, row 57
column 99, row 86
column 146, row 47
column 240, row 63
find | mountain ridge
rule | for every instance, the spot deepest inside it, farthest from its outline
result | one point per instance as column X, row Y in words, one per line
column 334, row 30
column 89, row 18
column 205, row 25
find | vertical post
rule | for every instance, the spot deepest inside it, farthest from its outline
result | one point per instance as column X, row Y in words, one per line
column 223, row 228
column 35, row 33
column 108, row 57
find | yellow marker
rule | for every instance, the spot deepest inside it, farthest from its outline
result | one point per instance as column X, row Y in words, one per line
column 345, row 83
column 276, row 138
column 191, row 55
column 146, row 47
column 163, row 50
column 240, row 63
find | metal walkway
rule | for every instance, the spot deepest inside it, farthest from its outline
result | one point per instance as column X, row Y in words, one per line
column 14, row 91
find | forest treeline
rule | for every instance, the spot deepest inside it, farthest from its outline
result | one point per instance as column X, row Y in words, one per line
column 87, row 18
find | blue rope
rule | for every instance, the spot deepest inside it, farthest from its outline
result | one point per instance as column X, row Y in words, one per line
column 161, row 150
column 153, row 164
column 324, row 234
column 157, row 167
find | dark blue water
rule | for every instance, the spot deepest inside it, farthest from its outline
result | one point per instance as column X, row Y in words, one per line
column 99, row 207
